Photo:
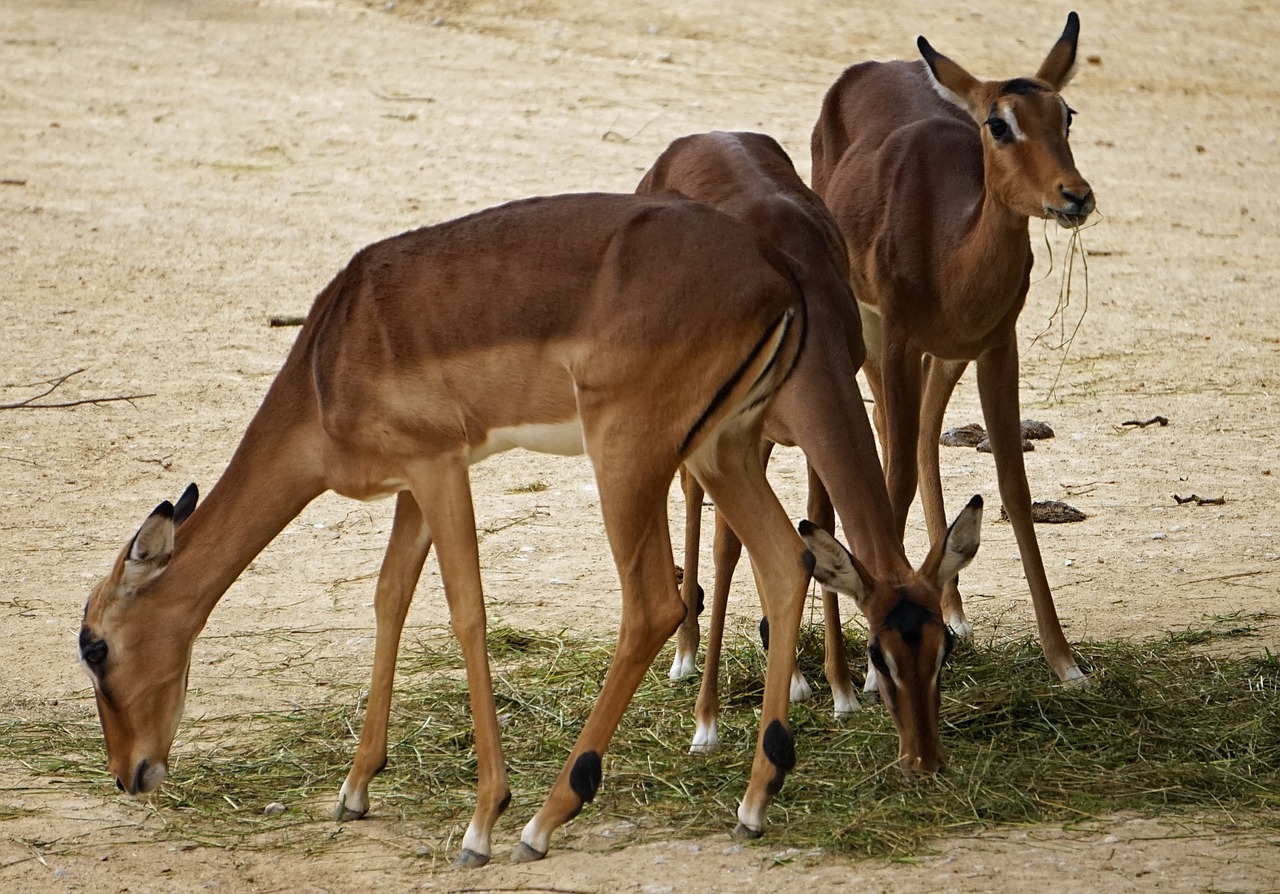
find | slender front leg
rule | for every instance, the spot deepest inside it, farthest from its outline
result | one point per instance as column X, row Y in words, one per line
column 900, row 386
column 443, row 491
column 998, row 389
column 940, row 378
column 401, row 567
column 633, row 503
column 781, row 565
column 687, row 637
column 835, row 662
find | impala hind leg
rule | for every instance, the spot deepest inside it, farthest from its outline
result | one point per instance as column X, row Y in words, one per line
column 735, row 480
column 633, row 503
column 443, row 492
column 940, row 378
column 706, row 712
column 401, row 567
column 998, row 390
column 686, row 656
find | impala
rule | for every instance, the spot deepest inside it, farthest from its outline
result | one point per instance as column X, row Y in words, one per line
column 545, row 324
column 820, row 410
column 932, row 176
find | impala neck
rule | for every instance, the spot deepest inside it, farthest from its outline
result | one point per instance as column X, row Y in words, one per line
column 994, row 247
column 272, row 476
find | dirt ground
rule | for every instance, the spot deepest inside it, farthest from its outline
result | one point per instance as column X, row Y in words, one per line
column 173, row 174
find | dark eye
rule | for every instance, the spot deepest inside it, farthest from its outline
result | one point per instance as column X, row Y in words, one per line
column 96, row 653
column 1071, row 113
column 999, row 129
column 877, row 658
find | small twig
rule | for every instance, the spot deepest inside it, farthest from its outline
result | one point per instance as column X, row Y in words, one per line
column 287, row 320
column 27, row 405
column 1200, row 501
column 1152, row 421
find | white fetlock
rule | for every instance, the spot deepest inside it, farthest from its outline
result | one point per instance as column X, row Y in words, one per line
column 352, row 804
column 846, row 702
column 801, row 691
column 871, row 688
column 682, row 666
column 533, row 843
column 705, row 738
column 1073, row 678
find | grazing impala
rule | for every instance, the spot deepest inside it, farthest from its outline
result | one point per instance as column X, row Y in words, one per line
column 820, row 409
column 932, row 175
column 649, row 332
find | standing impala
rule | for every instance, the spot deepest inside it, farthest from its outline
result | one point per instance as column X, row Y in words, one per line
column 932, row 175
column 649, row 332
column 820, row 409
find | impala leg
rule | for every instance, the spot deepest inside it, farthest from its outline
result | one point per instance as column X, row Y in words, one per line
column 401, row 567
column 444, row 495
column 940, row 378
column 687, row 637
column 998, row 390
column 727, row 550
column 899, row 401
column 782, row 566
column 835, row 663
column 635, row 518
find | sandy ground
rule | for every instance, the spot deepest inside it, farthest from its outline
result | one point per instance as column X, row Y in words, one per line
column 173, row 174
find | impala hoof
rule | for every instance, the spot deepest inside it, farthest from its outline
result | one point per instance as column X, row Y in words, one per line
column 469, row 859
column 346, row 810
column 743, row 832
column 1073, row 678
column 525, row 854
column 681, row 666
column 801, row 691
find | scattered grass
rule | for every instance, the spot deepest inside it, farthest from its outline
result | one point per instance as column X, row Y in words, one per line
column 1163, row 728
column 533, row 487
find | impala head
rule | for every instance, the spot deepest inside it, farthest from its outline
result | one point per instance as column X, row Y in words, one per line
column 1024, row 125
column 135, row 643
column 907, row 640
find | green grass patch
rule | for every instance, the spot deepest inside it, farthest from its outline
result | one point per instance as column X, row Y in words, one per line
column 1163, row 728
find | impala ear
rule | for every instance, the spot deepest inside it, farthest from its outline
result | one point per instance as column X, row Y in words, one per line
column 952, row 82
column 1060, row 65
column 958, row 548
column 834, row 566
column 186, row 503
column 151, row 548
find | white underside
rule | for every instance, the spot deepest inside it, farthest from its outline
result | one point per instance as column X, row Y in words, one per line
column 559, row 438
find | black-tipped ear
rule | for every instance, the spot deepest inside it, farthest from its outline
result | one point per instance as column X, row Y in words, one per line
column 834, row 566
column 952, row 82
column 1060, row 64
column 929, row 53
column 962, row 541
column 186, row 503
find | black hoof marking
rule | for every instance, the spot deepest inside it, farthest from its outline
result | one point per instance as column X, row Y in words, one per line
column 780, row 749
column 764, row 633
column 746, row 833
column 585, row 776
column 505, row 803
column 779, row 746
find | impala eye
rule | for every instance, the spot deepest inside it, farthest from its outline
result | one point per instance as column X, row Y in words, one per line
column 95, row 653
column 999, row 129
column 1071, row 113
column 877, row 658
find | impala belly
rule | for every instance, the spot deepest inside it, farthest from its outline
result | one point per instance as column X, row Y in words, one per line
column 560, row 438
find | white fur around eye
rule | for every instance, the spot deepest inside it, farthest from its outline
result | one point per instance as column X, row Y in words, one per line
column 1009, row 118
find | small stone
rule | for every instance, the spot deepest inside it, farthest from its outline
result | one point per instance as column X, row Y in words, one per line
column 275, row 808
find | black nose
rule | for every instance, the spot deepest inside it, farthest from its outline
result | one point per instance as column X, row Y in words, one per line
column 1078, row 200
column 138, row 775
column 119, row 784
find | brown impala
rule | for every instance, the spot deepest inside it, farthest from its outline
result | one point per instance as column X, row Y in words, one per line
column 647, row 332
column 820, row 410
column 932, row 175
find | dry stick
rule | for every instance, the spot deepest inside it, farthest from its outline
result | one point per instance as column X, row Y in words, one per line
column 54, row 384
